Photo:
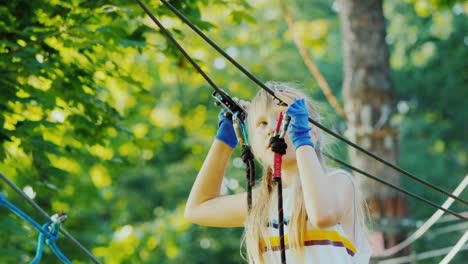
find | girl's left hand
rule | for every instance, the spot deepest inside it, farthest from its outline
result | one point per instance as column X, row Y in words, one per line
column 299, row 127
column 286, row 96
column 244, row 104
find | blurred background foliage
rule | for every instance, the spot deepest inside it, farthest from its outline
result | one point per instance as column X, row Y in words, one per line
column 101, row 116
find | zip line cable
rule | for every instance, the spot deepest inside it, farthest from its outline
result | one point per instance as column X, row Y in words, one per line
column 450, row 218
column 47, row 233
column 226, row 99
column 168, row 35
column 395, row 187
column 420, row 256
column 45, row 215
column 421, row 230
column 166, row 32
column 458, row 246
column 258, row 82
column 448, row 229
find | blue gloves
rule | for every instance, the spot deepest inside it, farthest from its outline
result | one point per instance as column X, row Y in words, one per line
column 226, row 131
column 299, row 127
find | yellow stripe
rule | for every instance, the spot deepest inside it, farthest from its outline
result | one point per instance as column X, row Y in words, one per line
column 312, row 235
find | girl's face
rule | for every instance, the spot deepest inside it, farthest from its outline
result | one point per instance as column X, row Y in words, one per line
column 262, row 128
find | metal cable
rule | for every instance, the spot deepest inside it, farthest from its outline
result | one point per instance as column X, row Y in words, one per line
column 395, row 187
column 45, row 215
column 417, row 258
column 339, row 161
column 168, row 35
column 258, row 82
column 424, row 227
column 458, row 246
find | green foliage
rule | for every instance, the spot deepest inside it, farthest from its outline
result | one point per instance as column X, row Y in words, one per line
column 431, row 83
column 103, row 117
column 78, row 115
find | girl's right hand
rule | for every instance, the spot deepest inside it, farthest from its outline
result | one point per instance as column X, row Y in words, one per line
column 226, row 131
column 244, row 104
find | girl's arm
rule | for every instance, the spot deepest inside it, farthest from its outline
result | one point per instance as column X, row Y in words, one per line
column 205, row 206
column 328, row 198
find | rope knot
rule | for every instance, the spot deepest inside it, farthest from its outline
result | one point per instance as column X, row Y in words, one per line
column 278, row 145
column 247, row 154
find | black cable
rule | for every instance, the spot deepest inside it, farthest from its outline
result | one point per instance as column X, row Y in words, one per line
column 248, row 158
column 252, row 175
column 258, row 82
column 347, row 165
column 45, row 215
column 168, row 35
column 216, row 47
column 281, row 220
column 395, row 187
column 279, row 146
column 249, row 186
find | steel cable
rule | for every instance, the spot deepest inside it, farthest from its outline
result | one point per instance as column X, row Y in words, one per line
column 258, row 82
column 45, row 215
column 181, row 49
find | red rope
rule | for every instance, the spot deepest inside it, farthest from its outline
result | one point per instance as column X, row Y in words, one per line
column 278, row 157
column 277, row 177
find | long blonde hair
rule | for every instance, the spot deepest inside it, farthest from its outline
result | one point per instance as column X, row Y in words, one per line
column 255, row 236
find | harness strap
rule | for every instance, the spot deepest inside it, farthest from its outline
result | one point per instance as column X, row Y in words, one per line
column 246, row 155
column 278, row 146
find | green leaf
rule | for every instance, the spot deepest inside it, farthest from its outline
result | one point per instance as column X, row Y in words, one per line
column 132, row 43
column 240, row 16
column 45, row 146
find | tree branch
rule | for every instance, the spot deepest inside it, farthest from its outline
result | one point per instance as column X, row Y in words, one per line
column 48, row 36
column 310, row 63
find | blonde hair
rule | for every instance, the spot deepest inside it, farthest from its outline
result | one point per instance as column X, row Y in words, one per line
column 255, row 233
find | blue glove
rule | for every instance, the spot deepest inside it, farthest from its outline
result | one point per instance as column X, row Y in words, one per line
column 299, row 127
column 226, row 131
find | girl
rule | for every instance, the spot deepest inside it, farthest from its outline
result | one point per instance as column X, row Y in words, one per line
column 322, row 216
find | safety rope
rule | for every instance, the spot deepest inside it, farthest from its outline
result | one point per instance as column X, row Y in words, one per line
column 247, row 155
column 279, row 146
column 395, row 187
column 171, row 38
column 419, row 257
column 268, row 90
column 458, row 246
column 48, row 233
column 424, row 227
column 46, row 216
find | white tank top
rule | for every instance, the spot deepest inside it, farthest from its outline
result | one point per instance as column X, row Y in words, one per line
column 321, row 246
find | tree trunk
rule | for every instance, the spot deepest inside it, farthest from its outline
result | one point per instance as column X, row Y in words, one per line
column 369, row 104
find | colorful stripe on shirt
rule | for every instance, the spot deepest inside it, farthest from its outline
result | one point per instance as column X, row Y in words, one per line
column 313, row 238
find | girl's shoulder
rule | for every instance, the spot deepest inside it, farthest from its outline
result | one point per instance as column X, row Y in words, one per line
column 338, row 171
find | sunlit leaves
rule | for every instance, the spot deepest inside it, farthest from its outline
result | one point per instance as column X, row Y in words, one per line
column 122, row 246
column 106, row 119
column 240, row 16
column 423, row 7
column 140, row 130
column 423, row 54
column 442, row 25
column 100, row 176
column 64, row 163
column 313, row 34
column 102, row 152
column 166, row 117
